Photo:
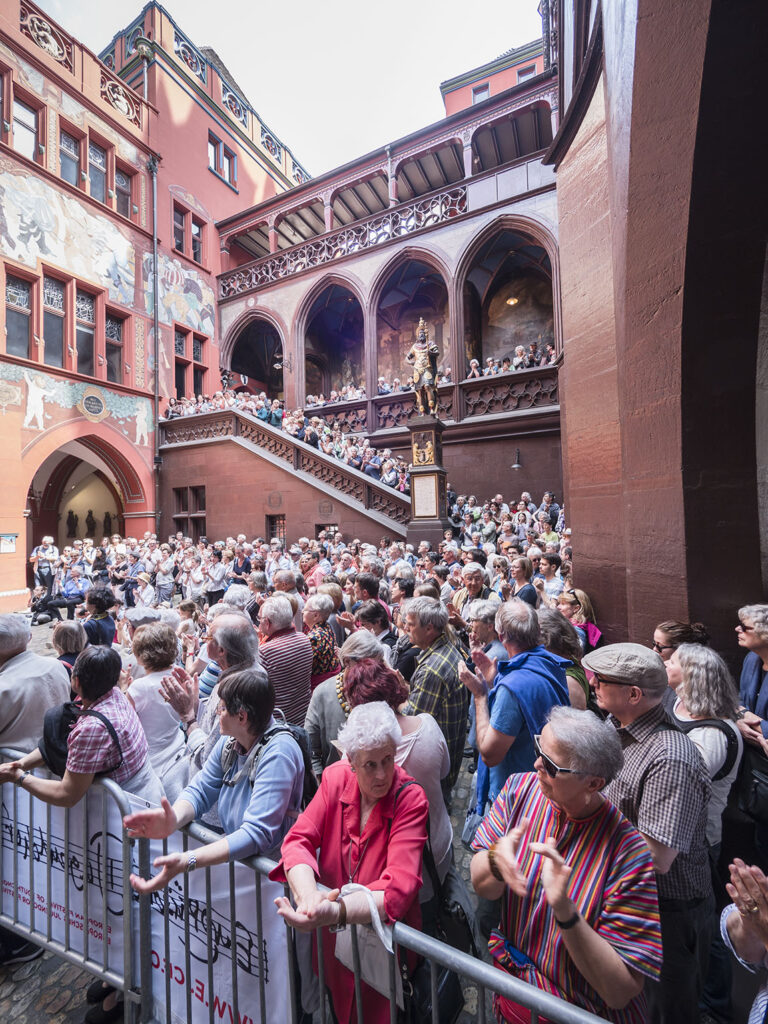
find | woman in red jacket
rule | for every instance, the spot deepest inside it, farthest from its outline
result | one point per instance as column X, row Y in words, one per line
column 362, row 826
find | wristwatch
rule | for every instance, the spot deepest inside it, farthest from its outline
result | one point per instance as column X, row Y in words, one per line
column 186, row 726
column 23, row 776
column 191, row 863
column 342, row 921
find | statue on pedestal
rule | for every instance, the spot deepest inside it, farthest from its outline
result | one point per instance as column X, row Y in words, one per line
column 423, row 358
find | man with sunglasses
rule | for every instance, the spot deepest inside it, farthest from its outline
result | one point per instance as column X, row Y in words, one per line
column 664, row 790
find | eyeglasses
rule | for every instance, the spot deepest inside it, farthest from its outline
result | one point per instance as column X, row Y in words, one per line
column 599, row 681
column 662, row 647
column 552, row 769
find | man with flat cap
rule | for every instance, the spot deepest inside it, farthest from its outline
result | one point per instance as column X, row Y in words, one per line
column 664, row 790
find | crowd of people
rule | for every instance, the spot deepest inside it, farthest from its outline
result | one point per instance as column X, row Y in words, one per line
column 602, row 772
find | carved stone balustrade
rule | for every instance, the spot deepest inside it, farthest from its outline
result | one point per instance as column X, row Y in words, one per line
column 379, row 417
column 397, row 223
column 349, row 485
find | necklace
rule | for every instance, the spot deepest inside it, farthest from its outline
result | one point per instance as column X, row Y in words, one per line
column 340, row 695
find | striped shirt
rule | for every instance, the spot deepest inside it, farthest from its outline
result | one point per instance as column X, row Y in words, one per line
column 287, row 658
column 612, row 884
column 759, row 1011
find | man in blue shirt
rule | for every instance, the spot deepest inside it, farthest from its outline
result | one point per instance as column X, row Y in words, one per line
column 512, row 698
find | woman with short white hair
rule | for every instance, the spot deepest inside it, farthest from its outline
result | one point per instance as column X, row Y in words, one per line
column 368, row 795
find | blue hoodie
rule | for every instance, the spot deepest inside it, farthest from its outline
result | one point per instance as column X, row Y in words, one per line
column 535, row 681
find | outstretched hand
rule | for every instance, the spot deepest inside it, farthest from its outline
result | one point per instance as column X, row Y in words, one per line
column 313, row 910
column 172, row 864
column 156, row 823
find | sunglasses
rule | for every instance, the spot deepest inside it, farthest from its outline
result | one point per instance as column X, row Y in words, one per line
column 662, row 647
column 576, row 601
column 745, row 629
column 552, row 769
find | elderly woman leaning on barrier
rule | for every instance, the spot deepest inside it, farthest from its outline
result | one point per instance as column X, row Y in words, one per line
column 362, row 826
column 258, row 784
column 422, row 752
column 92, row 748
column 580, row 914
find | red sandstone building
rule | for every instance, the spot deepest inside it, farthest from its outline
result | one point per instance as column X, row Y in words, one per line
column 564, row 198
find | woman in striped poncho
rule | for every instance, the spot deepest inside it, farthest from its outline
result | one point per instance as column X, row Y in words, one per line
column 579, row 915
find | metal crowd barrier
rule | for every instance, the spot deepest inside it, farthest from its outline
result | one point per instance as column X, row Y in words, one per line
column 84, row 856
column 216, row 939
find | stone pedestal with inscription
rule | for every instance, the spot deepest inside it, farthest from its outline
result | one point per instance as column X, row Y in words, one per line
column 429, row 513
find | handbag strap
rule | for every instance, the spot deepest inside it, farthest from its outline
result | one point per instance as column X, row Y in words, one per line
column 429, row 857
column 384, row 932
column 110, row 729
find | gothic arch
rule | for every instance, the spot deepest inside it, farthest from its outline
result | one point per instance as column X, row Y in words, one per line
column 238, row 325
column 540, row 234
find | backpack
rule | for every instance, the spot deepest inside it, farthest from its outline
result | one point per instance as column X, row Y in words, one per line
column 732, row 750
column 300, row 737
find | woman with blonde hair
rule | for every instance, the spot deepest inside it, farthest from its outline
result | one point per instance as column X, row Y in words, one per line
column 577, row 608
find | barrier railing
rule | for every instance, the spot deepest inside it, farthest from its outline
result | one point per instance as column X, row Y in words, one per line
column 65, row 881
column 209, row 947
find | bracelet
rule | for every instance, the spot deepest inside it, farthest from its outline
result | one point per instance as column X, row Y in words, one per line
column 491, row 851
column 23, row 776
column 186, row 726
column 342, row 920
column 740, row 714
column 191, row 863
column 565, row 925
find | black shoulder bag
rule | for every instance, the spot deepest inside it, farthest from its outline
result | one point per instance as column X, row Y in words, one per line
column 57, row 725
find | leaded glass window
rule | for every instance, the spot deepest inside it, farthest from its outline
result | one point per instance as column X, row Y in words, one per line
column 97, row 171
column 69, row 158
column 18, row 318
column 85, row 307
column 197, row 349
column 53, row 321
column 180, row 343
column 113, row 330
column 123, row 193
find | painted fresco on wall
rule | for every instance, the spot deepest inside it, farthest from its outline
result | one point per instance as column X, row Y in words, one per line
column 45, row 395
column 38, row 222
column 185, row 296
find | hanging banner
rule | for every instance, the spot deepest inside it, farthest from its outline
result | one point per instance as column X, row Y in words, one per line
column 89, row 868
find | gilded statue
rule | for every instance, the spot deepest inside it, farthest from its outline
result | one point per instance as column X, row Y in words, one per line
column 423, row 358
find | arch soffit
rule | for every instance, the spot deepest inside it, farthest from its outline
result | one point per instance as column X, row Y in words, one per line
column 54, row 489
column 239, row 324
column 133, row 476
column 350, row 283
column 536, row 231
column 411, row 253
column 429, row 147
column 541, row 103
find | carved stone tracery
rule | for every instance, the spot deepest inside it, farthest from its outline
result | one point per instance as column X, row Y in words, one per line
column 397, row 223
column 46, row 36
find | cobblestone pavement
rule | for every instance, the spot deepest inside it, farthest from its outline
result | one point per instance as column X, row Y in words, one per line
column 50, row 990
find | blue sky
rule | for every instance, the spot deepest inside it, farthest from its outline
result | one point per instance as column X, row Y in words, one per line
column 335, row 79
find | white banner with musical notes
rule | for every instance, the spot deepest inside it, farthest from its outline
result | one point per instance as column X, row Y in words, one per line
column 88, row 869
column 86, row 873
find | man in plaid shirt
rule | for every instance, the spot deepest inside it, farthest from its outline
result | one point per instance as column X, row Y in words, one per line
column 435, row 686
column 664, row 790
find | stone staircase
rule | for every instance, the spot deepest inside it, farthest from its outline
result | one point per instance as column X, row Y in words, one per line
column 380, row 504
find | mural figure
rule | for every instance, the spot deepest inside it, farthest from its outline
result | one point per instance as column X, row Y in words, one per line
column 107, row 524
column 423, row 358
column 347, row 375
column 142, row 424
column 90, row 524
column 72, row 521
column 36, row 394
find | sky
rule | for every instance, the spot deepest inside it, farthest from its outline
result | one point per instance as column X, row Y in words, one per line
column 337, row 79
